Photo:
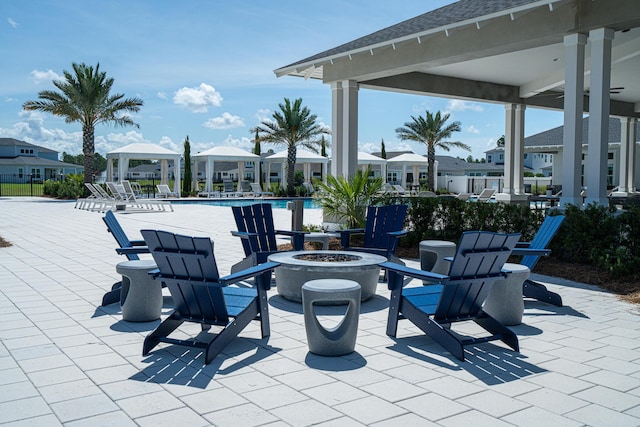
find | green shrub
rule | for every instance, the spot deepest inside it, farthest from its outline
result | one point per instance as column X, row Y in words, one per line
column 71, row 188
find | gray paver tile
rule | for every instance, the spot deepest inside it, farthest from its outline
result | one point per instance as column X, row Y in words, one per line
column 493, row 403
column 243, row 415
column 474, row 418
column 612, row 380
column 23, row 409
column 408, row 419
column 595, row 415
column 370, row 409
column 306, row 413
column 536, row 417
column 608, row 398
column 83, row 407
column 553, row 401
column 335, row 393
column 394, row 390
column 438, row 408
column 110, row 419
column 68, row 390
column 213, row 400
column 275, row 396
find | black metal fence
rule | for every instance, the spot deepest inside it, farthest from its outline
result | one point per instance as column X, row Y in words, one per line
column 14, row 185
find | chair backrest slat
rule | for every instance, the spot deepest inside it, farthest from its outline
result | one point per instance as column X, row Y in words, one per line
column 113, row 226
column 380, row 221
column 256, row 218
column 187, row 264
column 477, row 264
column 541, row 240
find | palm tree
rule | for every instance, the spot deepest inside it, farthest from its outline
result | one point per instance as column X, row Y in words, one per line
column 84, row 97
column 432, row 131
column 293, row 126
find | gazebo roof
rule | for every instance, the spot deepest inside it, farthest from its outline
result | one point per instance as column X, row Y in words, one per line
column 143, row 151
column 370, row 159
column 302, row 156
column 227, row 154
column 409, row 158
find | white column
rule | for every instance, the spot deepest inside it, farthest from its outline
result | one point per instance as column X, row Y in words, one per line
column 194, row 176
column 631, row 178
column 177, row 175
column 403, row 181
column 624, row 160
column 209, row 175
column 240, row 175
column 350, row 128
column 383, row 171
column 556, row 168
column 509, row 151
column 324, row 172
column 336, row 127
column 599, row 100
column 110, row 170
column 518, row 150
column 573, row 108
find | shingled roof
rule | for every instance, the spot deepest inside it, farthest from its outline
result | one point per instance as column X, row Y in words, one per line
column 460, row 12
column 553, row 137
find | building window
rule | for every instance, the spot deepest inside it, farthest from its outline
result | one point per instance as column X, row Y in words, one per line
column 610, row 156
column 20, row 172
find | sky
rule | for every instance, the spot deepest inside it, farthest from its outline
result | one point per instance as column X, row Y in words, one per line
column 204, row 69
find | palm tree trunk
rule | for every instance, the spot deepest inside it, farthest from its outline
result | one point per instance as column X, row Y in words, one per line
column 431, row 163
column 291, row 169
column 88, row 148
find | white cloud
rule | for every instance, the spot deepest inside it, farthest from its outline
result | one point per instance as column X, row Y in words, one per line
column 473, row 129
column 40, row 76
column 13, row 23
column 226, row 121
column 244, row 142
column 369, row 147
column 263, row 114
column 198, row 99
column 459, row 105
column 162, row 95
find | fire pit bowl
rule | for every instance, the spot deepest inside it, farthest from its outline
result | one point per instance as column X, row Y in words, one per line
column 298, row 267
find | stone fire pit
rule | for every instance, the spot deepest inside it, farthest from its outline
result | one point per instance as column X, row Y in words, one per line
column 298, row 267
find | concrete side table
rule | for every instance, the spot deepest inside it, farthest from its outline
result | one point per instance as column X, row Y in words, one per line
column 340, row 339
column 433, row 253
column 505, row 302
column 141, row 295
column 320, row 237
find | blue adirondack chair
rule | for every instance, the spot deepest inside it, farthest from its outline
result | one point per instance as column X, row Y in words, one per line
column 258, row 234
column 541, row 240
column 383, row 228
column 131, row 250
column 187, row 266
column 457, row 297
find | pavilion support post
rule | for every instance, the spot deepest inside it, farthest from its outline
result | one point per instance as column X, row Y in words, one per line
column 337, row 106
column 572, row 130
column 344, row 138
column 599, row 105
column 177, row 176
column 164, row 171
column 513, row 188
column 627, row 157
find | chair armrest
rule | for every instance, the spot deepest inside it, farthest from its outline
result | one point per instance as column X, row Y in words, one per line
column 402, row 270
column 138, row 243
column 528, row 251
column 243, row 234
column 130, row 251
column 345, row 235
column 297, row 238
column 291, row 233
column 523, row 244
column 397, row 234
column 248, row 273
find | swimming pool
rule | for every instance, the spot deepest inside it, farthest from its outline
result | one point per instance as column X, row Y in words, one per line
column 275, row 203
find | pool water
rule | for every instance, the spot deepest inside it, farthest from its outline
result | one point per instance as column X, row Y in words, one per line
column 275, row 203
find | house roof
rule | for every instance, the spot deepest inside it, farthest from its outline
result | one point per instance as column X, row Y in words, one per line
column 302, row 156
column 36, row 161
column 227, row 154
column 551, row 139
column 448, row 163
column 13, row 142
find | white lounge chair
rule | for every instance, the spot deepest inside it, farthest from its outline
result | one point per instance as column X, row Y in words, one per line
column 164, row 191
column 257, row 190
column 398, row 190
column 486, row 194
column 131, row 198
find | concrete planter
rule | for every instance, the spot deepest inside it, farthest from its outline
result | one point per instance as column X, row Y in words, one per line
column 293, row 272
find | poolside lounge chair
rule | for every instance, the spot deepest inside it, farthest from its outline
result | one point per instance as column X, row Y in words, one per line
column 426, row 194
column 228, row 189
column 258, row 234
column 383, row 228
column 486, row 195
column 257, row 190
column 541, row 240
column 97, row 200
column 187, row 266
column 143, row 203
column 134, row 248
column 164, row 191
column 398, row 190
column 457, row 297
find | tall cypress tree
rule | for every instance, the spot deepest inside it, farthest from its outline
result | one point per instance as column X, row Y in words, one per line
column 187, row 181
column 383, row 152
column 257, row 150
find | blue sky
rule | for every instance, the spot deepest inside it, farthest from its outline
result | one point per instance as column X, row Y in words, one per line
column 205, row 69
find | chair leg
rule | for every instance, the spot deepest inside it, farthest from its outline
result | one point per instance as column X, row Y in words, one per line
column 496, row 328
column 230, row 332
column 163, row 330
column 113, row 295
column 538, row 291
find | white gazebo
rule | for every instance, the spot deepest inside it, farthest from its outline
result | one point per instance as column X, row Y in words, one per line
column 304, row 157
column 224, row 154
column 413, row 160
column 142, row 151
column 366, row 159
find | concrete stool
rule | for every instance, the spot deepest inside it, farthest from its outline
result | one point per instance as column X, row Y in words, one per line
column 433, row 253
column 340, row 339
column 320, row 237
column 141, row 295
column 505, row 302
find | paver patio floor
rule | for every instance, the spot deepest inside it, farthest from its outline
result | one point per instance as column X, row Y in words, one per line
column 66, row 361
